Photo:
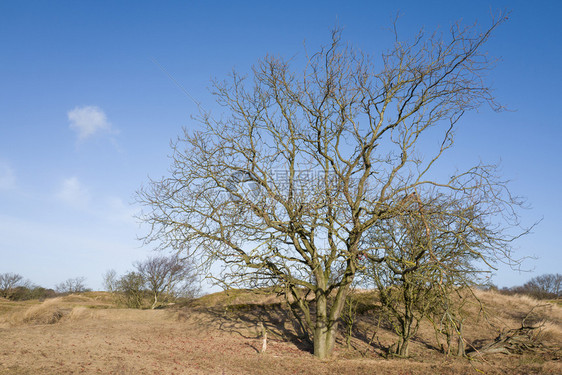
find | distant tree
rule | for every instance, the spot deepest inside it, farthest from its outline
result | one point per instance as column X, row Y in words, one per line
column 74, row 285
column 542, row 287
column 168, row 277
column 8, row 283
column 110, row 280
column 131, row 289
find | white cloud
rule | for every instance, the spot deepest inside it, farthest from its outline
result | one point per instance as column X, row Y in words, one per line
column 73, row 193
column 7, row 176
column 87, row 121
column 108, row 209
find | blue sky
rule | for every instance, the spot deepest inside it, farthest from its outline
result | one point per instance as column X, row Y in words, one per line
column 86, row 113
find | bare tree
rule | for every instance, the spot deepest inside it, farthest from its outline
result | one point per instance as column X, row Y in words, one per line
column 431, row 251
column 549, row 284
column 542, row 286
column 281, row 188
column 349, row 315
column 168, row 277
column 74, row 285
column 8, row 284
column 110, row 280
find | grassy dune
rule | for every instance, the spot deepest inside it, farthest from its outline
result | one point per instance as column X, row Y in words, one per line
column 219, row 334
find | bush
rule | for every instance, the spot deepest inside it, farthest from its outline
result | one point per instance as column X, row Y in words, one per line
column 23, row 293
column 130, row 289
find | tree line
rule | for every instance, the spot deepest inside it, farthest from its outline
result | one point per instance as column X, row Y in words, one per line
column 153, row 282
column 547, row 286
column 15, row 287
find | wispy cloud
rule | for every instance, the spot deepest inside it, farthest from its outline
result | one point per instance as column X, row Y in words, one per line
column 73, row 193
column 7, row 176
column 118, row 211
column 78, row 196
column 88, row 120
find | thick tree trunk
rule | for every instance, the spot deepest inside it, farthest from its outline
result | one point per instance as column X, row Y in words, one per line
column 325, row 330
column 324, row 340
column 321, row 328
column 320, row 347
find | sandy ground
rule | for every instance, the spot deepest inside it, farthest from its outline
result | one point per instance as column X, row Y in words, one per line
column 120, row 341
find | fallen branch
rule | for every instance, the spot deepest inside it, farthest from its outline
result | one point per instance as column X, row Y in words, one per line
column 514, row 341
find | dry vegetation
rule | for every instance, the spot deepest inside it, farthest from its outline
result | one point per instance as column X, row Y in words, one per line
column 218, row 334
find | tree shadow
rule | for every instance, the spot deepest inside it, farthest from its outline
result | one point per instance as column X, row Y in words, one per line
column 369, row 337
column 426, row 343
column 244, row 320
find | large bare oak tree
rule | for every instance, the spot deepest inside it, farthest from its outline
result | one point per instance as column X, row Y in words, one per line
column 282, row 186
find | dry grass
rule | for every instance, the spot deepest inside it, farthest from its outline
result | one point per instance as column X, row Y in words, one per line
column 17, row 313
column 237, row 297
column 503, row 311
column 49, row 311
column 218, row 335
column 550, row 332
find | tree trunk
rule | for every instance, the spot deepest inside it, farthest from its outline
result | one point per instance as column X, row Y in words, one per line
column 155, row 302
column 321, row 328
column 324, row 331
column 324, row 340
column 402, row 347
column 331, row 337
